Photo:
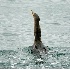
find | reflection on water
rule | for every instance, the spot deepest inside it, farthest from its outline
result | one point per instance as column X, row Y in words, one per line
column 16, row 33
column 56, row 58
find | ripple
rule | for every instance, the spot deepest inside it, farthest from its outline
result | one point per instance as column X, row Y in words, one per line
column 9, row 34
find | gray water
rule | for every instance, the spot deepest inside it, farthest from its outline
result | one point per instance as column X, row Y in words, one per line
column 16, row 33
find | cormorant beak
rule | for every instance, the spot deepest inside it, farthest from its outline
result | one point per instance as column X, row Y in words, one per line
column 32, row 12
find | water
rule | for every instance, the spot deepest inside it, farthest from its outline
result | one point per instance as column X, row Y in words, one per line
column 16, row 33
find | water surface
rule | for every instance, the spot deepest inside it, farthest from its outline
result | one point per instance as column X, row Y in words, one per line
column 16, row 33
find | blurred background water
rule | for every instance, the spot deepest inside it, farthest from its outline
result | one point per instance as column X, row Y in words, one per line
column 16, row 33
